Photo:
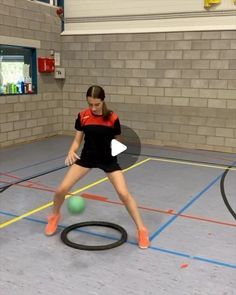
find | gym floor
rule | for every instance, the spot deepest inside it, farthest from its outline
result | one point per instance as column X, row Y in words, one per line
column 179, row 193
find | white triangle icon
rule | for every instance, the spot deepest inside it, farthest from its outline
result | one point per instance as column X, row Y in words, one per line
column 117, row 147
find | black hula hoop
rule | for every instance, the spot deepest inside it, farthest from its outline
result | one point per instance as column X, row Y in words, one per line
column 222, row 189
column 117, row 227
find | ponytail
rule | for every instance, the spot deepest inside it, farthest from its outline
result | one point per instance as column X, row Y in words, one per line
column 105, row 111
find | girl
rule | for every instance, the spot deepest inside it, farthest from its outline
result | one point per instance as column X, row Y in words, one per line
column 97, row 126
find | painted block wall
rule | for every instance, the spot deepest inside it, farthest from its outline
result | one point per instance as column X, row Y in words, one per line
column 30, row 117
column 174, row 89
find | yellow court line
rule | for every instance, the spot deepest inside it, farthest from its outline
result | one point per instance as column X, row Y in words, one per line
column 13, row 220
column 192, row 163
column 137, row 164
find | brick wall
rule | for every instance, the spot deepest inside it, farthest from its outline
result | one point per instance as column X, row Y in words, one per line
column 29, row 117
column 176, row 89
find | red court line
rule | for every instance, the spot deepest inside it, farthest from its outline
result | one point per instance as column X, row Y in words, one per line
column 94, row 197
column 31, row 185
column 84, row 195
column 106, row 200
column 171, row 212
column 18, row 178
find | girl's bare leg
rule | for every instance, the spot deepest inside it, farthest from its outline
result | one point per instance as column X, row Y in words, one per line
column 119, row 183
column 74, row 174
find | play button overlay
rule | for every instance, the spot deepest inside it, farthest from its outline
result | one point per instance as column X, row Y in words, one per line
column 117, row 147
column 129, row 139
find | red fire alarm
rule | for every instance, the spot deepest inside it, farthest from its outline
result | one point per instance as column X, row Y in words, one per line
column 46, row 65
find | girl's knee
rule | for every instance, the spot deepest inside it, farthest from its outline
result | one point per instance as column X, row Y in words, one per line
column 61, row 191
column 125, row 197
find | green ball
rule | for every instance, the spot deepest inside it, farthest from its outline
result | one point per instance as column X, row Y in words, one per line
column 76, row 204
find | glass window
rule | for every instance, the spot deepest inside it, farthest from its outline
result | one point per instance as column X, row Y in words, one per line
column 18, row 73
column 51, row 2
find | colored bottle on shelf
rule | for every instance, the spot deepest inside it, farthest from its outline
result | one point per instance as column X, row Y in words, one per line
column 22, row 88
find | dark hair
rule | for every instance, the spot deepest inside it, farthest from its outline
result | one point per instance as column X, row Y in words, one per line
column 96, row 91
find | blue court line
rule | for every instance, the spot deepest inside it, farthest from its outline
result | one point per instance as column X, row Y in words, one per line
column 166, row 251
column 35, row 164
column 214, row 261
column 171, row 220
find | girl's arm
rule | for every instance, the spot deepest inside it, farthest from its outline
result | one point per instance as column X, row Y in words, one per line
column 72, row 154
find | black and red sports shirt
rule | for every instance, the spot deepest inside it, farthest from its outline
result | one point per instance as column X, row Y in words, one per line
column 98, row 135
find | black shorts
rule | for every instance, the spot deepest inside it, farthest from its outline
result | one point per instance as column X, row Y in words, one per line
column 106, row 167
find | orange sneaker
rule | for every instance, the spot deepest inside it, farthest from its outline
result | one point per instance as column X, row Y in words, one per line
column 143, row 238
column 53, row 221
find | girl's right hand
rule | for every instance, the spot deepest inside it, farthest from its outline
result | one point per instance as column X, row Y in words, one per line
column 71, row 158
